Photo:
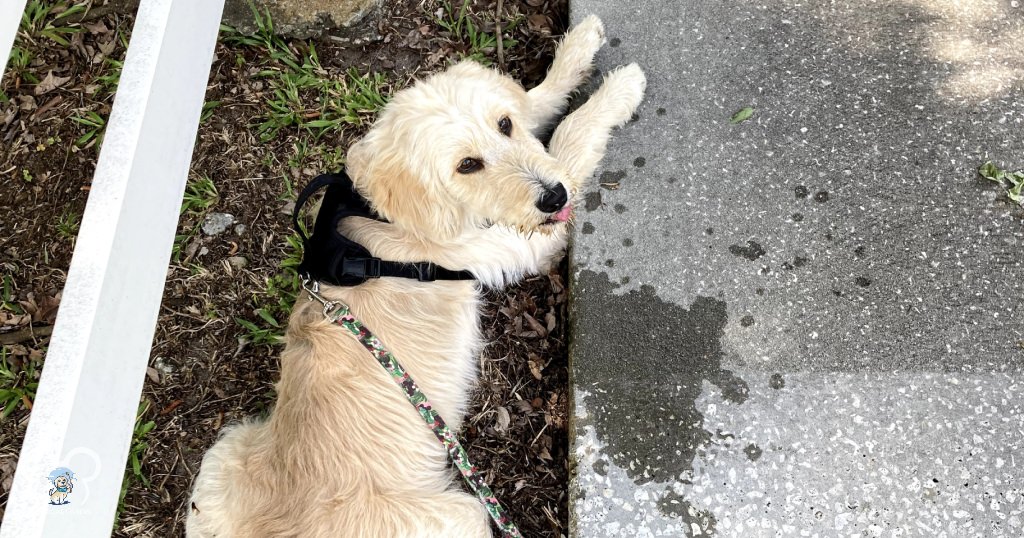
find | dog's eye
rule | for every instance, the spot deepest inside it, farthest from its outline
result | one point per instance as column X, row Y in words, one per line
column 470, row 165
column 505, row 126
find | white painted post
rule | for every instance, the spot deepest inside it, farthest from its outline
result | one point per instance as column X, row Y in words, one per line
column 10, row 20
column 92, row 379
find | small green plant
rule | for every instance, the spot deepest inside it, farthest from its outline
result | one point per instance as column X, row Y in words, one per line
column 17, row 386
column 278, row 298
column 1012, row 182
column 136, row 455
column 478, row 44
column 208, row 108
column 94, row 125
column 302, row 94
column 7, row 300
column 26, row 175
column 67, row 224
column 49, row 20
column 200, row 195
column 111, row 76
column 19, row 62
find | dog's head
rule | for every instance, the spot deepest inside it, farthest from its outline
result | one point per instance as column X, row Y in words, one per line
column 61, row 481
column 457, row 151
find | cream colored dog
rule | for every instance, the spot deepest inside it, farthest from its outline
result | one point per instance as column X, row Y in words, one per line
column 454, row 165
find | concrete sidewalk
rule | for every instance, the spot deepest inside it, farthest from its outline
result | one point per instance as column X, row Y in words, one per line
column 809, row 323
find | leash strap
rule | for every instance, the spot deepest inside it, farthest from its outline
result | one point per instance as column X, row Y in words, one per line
column 339, row 314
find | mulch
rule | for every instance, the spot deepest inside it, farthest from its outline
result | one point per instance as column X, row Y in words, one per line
column 205, row 370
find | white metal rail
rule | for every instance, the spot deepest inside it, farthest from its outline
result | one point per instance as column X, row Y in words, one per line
column 88, row 396
column 10, row 18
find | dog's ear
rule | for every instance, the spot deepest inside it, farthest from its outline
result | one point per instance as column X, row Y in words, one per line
column 411, row 199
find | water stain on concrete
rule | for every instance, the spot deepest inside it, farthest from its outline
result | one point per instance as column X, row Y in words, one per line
column 588, row 228
column 821, row 197
column 753, row 452
column 644, row 382
column 776, row 381
column 615, row 42
column 627, row 242
column 673, row 504
column 660, row 111
column 747, row 320
column 752, row 251
column 619, row 208
column 609, row 178
column 801, row 191
column 592, row 200
column 798, row 217
column 863, row 281
column 639, row 162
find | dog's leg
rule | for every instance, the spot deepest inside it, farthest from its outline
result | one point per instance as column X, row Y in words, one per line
column 572, row 64
column 580, row 140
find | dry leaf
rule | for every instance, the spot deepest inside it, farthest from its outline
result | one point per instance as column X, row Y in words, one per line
column 50, row 83
column 535, row 325
column 536, row 366
column 503, row 420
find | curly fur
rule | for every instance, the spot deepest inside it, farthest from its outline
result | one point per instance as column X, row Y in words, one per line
column 343, row 453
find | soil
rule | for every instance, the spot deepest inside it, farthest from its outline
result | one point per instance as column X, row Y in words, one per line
column 206, row 369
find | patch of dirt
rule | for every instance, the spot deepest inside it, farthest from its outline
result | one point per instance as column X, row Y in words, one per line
column 205, row 371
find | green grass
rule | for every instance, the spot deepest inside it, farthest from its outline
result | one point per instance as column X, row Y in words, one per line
column 276, row 300
column 136, row 455
column 49, row 20
column 17, row 386
column 7, row 299
column 93, row 124
column 1011, row 182
column 303, row 97
column 200, row 195
column 67, row 224
column 18, row 64
column 478, row 44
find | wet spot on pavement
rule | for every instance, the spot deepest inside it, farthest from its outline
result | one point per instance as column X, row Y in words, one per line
column 752, row 251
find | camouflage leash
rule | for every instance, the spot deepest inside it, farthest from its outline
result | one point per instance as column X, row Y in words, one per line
column 338, row 313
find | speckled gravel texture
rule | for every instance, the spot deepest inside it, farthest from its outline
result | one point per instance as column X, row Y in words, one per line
column 811, row 322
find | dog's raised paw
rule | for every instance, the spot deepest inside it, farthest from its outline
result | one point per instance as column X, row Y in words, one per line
column 588, row 35
column 576, row 54
column 624, row 89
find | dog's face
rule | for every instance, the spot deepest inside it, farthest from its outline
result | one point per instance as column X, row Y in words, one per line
column 61, row 481
column 457, row 151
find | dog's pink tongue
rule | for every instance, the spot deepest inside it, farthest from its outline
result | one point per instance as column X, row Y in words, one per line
column 563, row 214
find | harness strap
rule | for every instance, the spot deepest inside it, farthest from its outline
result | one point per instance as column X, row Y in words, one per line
column 339, row 314
column 329, row 256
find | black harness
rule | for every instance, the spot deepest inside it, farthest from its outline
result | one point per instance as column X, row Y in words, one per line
column 330, row 257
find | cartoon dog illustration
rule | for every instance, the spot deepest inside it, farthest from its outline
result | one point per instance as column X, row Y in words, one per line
column 62, row 486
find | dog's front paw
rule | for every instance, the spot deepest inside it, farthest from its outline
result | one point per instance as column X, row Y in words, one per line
column 586, row 38
column 575, row 55
column 622, row 92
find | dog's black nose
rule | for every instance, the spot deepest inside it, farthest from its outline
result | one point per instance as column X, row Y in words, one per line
column 553, row 199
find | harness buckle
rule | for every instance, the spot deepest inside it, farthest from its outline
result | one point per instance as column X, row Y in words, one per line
column 361, row 267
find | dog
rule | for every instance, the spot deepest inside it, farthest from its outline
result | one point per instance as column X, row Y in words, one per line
column 62, row 486
column 455, row 166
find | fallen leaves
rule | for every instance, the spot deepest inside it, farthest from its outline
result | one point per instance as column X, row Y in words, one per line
column 49, row 83
column 741, row 115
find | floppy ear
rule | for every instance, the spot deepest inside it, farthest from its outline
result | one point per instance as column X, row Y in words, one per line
column 412, row 201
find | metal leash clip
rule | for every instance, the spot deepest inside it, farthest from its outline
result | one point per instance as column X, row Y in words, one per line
column 312, row 287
